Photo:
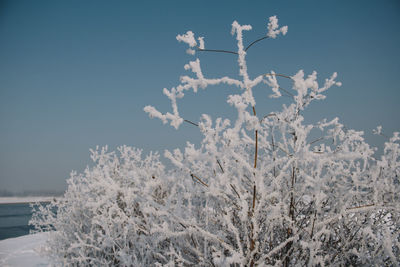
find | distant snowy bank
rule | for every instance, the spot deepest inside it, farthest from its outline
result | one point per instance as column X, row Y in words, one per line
column 23, row 251
column 11, row 200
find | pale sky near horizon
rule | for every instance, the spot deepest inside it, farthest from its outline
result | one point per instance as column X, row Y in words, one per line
column 76, row 74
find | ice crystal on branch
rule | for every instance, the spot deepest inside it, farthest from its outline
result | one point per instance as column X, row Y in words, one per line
column 273, row 28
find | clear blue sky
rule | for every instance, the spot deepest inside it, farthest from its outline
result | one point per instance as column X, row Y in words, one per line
column 76, row 74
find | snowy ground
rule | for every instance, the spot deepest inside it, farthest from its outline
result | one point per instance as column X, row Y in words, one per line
column 22, row 251
column 9, row 200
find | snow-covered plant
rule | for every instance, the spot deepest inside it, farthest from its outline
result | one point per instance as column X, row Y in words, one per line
column 265, row 190
column 267, row 193
column 102, row 219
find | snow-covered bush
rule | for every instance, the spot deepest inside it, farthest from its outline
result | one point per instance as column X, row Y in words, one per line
column 262, row 190
column 102, row 219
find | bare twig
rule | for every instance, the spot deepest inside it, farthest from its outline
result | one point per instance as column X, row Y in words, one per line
column 286, row 91
column 256, row 145
column 198, row 179
column 279, row 75
column 231, row 52
column 234, row 189
column 219, row 163
column 362, row 206
column 316, row 140
column 188, row 121
column 216, row 50
column 252, row 239
column 254, row 197
column 256, row 41
column 313, row 223
column 269, row 115
column 194, row 243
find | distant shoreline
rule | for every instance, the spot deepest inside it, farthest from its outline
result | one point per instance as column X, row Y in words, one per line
column 26, row 200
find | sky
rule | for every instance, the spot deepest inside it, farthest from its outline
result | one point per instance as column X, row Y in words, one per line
column 77, row 74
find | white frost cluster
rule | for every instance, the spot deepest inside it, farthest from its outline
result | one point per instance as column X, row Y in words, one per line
column 262, row 190
column 189, row 39
column 273, row 28
column 378, row 130
column 273, row 83
column 201, row 42
column 308, row 89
